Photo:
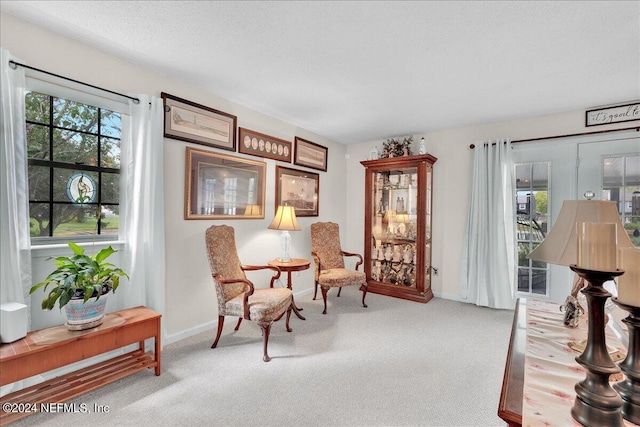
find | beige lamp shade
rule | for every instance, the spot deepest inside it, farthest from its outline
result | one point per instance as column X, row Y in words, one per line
column 252, row 210
column 285, row 219
column 389, row 216
column 561, row 244
column 402, row 218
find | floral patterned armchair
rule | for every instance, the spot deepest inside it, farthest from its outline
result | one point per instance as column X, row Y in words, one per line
column 236, row 294
column 330, row 271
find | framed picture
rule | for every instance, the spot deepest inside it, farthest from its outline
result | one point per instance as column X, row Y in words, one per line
column 299, row 189
column 220, row 186
column 191, row 122
column 310, row 154
column 261, row 145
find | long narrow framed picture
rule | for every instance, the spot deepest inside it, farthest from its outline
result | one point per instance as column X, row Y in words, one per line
column 220, row 186
column 261, row 145
column 191, row 122
column 300, row 189
column 310, row 154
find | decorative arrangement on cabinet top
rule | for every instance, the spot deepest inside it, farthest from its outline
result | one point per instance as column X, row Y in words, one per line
column 81, row 283
column 397, row 147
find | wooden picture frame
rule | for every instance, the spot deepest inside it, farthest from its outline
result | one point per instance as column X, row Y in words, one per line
column 261, row 145
column 220, row 186
column 300, row 189
column 191, row 122
column 310, row 154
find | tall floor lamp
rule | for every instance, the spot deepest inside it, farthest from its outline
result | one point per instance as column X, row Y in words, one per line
column 596, row 402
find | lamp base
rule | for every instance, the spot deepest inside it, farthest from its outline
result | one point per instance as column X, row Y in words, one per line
column 628, row 389
column 596, row 403
column 284, row 259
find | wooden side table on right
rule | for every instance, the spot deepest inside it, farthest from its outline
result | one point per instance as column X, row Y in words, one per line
column 296, row 264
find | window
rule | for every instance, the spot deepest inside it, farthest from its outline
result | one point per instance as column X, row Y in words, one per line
column 532, row 195
column 621, row 183
column 74, row 169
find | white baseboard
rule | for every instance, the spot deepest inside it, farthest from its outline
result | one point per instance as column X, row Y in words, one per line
column 448, row 296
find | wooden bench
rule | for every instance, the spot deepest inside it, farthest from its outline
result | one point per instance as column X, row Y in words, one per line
column 48, row 349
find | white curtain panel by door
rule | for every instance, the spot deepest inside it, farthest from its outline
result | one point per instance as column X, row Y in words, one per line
column 488, row 261
column 143, row 177
column 15, row 254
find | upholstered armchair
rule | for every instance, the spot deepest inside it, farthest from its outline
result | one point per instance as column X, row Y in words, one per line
column 236, row 294
column 330, row 271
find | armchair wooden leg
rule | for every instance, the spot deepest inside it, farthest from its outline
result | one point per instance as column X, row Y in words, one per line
column 238, row 324
column 289, row 317
column 315, row 291
column 220, row 325
column 339, row 290
column 324, row 290
column 266, row 328
column 364, row 294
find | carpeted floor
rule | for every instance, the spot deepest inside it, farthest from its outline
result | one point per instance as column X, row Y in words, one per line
column 396, row 363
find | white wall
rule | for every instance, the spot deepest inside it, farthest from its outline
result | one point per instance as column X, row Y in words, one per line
column 452, row 185
column 190, row 295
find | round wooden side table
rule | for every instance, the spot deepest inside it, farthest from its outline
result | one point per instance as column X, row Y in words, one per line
column 296, row 264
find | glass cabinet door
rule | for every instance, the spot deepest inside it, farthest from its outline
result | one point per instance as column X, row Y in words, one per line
column 393, row 231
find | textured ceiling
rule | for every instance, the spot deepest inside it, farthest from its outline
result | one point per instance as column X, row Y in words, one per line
column 364, row 71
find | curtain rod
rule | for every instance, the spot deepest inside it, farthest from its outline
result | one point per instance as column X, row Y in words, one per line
column 14, row 64
column 637, row 129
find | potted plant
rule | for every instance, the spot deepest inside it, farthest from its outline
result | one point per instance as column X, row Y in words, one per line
column 80, row 283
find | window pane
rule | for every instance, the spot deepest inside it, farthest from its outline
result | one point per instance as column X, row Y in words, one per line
column 633, row 170
column 613, row 171
column 39, row 183
column 540, row 176
column 75, row 147
column 75, row 115
column 110, row 188
column 37, row 142
column 110, row 124
column 539, row 281
column 523, row 174
column 110, row 220
column 37, row 107
column 523, row 280
column 39, row 219
column 110, row 153
column 73, row 220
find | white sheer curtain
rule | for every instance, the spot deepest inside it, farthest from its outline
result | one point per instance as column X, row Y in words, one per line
column 488, row 262
column 15, row 254
column 143, row 176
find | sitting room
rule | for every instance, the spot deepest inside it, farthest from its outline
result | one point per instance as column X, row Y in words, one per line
column 319, row 213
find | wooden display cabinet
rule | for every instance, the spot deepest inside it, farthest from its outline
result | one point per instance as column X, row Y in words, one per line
column 397, row 226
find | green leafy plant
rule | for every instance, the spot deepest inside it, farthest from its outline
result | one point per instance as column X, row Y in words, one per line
column 80, row 276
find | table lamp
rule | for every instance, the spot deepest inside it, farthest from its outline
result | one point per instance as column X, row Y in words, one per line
column 583, row 237
column 286, row 221
column 252, row 210
column 560, row 246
